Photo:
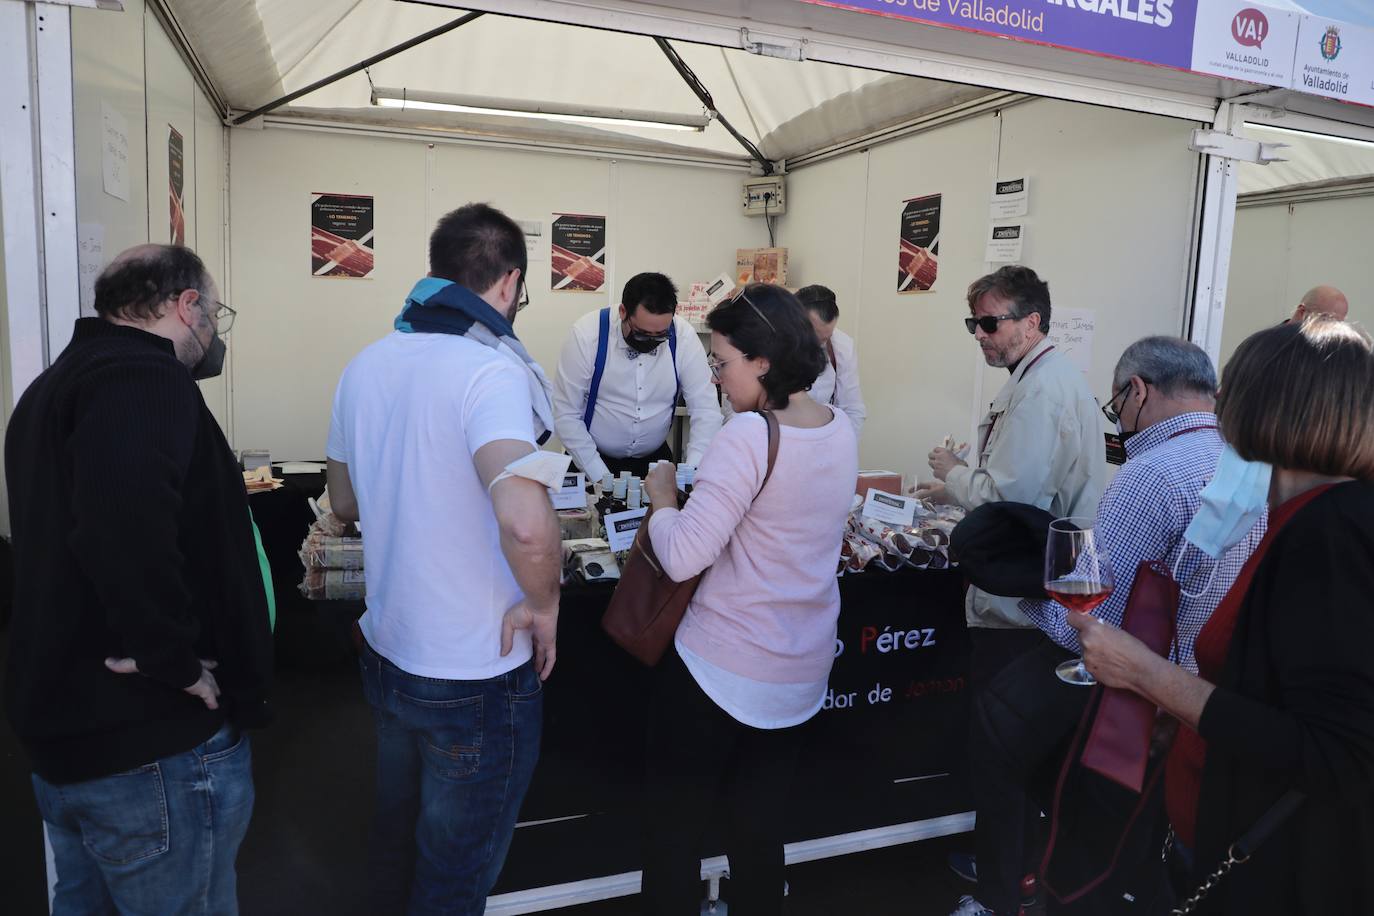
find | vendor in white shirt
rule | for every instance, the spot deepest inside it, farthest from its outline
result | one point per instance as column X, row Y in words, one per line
column 838, row 383
column 619, row 376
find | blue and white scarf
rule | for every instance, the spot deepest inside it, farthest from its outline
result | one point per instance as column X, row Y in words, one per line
column 437, row 306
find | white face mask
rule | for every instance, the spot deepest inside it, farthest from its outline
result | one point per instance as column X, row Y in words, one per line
column 1232, row 503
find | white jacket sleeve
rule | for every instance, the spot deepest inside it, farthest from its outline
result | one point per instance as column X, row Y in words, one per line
column 576, row 363
column 848, row 397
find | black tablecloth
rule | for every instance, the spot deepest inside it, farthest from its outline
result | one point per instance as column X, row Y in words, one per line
column 890, row 747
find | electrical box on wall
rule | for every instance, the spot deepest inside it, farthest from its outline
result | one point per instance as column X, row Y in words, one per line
column 764, row 196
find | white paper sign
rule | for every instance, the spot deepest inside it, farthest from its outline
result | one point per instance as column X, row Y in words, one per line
column 1335, row 60
column 114, row 151
column 1071, row 331
column 534, row 238
column 90, row 260
column 621, row 527
column 1004, row 243
column 1244, row 40
column 572, row 494
column 719, row 289
column 891, row 508
column 1010, row 198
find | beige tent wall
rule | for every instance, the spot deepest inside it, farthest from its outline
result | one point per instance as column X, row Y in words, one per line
column 295, row 333
column 1282, row 250
column 125, row 60
column 1112, row 197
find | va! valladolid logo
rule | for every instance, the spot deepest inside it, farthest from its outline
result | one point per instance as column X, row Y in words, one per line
column 1331, row 43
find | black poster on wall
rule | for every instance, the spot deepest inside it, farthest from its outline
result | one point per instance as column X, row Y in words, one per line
column 341, row 235
column 919, row 245
column 176, row 183
column 578, row 256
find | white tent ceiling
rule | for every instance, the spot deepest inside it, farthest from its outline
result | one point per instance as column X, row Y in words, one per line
column 1309, row 159
column 255, row 51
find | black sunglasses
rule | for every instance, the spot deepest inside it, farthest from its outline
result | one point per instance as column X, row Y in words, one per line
column 989, row 323
column 1109, row 411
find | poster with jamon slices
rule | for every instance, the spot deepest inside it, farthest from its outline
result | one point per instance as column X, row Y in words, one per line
column 578, row 254
column 341, row 235
column 918, row 249
column 176, row 187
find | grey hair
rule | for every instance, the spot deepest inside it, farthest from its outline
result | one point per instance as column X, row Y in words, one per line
column 1172, row 364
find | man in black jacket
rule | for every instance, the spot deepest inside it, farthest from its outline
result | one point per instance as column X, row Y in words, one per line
column 141, row 643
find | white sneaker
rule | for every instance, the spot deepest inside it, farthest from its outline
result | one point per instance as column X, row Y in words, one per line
column 970, row 907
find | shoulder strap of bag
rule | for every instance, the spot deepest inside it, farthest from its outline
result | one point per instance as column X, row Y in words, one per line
column 774, row 433
column 1242, row 849
column 602, row 343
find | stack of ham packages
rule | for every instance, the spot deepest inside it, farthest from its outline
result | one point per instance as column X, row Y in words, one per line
column 332, row 554
column 923, row 545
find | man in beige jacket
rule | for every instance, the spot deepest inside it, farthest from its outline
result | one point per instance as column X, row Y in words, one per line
column 1040, row 443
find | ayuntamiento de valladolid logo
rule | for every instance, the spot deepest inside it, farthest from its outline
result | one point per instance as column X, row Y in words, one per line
column 1331, row 43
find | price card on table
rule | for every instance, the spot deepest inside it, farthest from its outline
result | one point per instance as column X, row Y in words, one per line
column 572, row 494
column 621, row 527
column 891, row 508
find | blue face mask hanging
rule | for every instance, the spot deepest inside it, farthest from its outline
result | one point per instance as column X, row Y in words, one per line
column 1232, row 503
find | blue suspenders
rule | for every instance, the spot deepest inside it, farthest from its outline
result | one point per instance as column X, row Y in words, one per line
column 603, row 341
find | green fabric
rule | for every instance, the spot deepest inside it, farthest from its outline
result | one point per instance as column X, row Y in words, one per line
column 266, row 575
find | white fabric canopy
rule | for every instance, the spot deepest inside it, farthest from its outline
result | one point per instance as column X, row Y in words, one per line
column 258, row 50
column 1309, row 159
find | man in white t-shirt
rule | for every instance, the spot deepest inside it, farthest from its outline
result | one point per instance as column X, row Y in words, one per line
column 838, row 383
column 462, row 567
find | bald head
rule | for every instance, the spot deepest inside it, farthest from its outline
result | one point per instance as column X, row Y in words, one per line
column 1324, row 300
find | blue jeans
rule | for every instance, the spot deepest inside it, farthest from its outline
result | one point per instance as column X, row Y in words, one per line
column 454, row 759
column 161, row 838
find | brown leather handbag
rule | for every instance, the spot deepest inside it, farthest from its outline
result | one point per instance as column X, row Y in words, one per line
column 647, row 606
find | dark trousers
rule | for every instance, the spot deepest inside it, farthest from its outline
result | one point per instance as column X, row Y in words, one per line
column 703, row 764
column 638, row 467
column 1023, row 720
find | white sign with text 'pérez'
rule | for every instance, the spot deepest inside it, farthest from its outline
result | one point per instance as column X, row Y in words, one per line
column 891, row 508
column 621, row 528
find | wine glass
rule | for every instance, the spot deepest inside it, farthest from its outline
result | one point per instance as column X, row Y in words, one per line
column 1078, row 574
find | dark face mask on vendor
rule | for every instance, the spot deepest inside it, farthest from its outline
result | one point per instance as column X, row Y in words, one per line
column 640, row 340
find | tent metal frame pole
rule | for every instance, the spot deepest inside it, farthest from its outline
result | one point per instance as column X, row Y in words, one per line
column 1214, row 240
column 361, row 65
column 704, row 94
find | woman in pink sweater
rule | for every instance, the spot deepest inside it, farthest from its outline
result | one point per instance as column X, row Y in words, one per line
column 754, row 650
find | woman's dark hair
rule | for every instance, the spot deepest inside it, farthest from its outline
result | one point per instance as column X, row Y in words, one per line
column 768, row 321
column 1297, row 396
column 821, row 300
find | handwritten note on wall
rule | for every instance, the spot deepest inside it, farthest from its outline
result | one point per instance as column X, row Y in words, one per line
column 90, row 260
column 1071, row 330
column 114, row 151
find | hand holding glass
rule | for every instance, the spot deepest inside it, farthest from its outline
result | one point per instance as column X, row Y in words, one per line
column 1078, row 574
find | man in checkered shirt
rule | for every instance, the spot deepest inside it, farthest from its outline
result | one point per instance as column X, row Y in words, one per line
column 1163, row 398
